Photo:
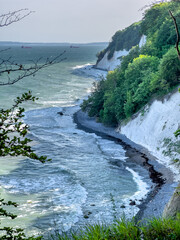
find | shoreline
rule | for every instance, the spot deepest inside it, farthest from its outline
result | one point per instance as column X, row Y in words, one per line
column 155, row 201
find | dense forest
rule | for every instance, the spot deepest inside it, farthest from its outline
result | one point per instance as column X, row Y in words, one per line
column 145, row 73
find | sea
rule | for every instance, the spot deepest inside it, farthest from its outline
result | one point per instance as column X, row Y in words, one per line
column 82, row 184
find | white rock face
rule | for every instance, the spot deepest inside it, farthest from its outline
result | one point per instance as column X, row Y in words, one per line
column 173, row 206
column 142, row 41
column 158, row 123
column 111, row 64
column 114, row 62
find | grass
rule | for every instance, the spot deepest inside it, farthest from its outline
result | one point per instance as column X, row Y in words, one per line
column 155, row 229
column 166, row 229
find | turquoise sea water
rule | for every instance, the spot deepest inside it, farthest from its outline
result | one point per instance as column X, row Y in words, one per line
column 82, row 180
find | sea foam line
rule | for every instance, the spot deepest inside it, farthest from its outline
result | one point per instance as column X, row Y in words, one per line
column 143, row 187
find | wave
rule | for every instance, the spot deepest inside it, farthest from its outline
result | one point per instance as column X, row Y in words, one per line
column 82, row 176
column 87, row 65
column 112, row 150
column 88, row 70
column 143, row 187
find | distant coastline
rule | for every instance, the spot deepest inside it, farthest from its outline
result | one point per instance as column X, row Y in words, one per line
column 8, row 43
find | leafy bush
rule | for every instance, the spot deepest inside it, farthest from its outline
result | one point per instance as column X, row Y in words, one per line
column 129, row 105
column 155, row 14
column 161, row 35
column 137, row 82
column 133, row 53
column 169, row 67
column 95, row 102
column 137, row 69
column 108, row 114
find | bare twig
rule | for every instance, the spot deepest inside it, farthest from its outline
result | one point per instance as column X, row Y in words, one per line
column 20, row 71
column 12, row 17
column 6, row 49
column 177, row 33
column 8, row 66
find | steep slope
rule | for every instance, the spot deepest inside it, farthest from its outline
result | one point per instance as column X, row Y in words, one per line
column 121, row 43
column 110, row 64
column 153, row 128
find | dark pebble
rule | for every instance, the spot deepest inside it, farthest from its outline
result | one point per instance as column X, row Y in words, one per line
column 122, row 206
column 60, row 113
column 132, row 203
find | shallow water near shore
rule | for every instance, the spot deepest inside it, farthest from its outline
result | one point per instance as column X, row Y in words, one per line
column 83, row 183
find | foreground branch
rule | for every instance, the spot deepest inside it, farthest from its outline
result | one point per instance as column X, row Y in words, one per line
column 13, row 131
column 7, row 67
column 12, row 17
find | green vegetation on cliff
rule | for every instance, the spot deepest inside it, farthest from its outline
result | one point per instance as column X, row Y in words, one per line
column 124, row 39
column 144, row 73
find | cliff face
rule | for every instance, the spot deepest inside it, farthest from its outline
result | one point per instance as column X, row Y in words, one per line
column 173, row 206
column 153, row 128
column 115, row 61
column 111, row 64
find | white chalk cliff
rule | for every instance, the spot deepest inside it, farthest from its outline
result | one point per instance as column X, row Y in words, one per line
column 154, row 127
column 115, row 61
column 111, row 64
column 142, row 41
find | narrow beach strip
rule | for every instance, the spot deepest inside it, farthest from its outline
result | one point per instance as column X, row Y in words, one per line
column 161, row 176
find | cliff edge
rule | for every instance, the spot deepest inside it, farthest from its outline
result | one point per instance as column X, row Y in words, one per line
column 153, row 128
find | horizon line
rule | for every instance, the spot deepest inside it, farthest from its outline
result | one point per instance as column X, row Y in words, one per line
column 68, row 43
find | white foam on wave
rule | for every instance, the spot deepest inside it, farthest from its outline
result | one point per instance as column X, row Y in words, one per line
column 65, row 202
column 143, row 187
column 111, row 149
column 55, row 194
column 82, row 66
column 57, row 103
column 45, row 117
column 88, row 70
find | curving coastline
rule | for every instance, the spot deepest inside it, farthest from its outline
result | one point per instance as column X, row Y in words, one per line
column 161, row 176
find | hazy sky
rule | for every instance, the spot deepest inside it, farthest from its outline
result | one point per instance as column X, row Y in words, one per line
column 70, row 20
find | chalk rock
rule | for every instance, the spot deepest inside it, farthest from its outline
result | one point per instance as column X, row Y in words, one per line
column 173, row 206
